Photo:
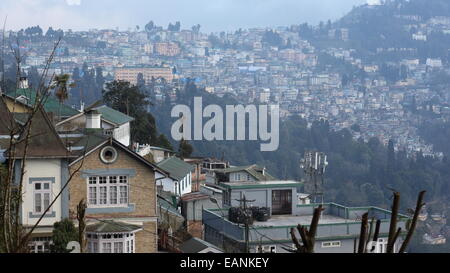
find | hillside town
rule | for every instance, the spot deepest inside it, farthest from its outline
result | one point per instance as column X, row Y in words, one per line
column 145, row 199
column 73, row 157
column 264, row 65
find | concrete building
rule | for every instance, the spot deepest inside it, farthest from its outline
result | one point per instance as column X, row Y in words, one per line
column 130, row 74
column 338, row 228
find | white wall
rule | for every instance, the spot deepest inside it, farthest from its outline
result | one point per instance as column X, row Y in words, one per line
column 122, row 134
column 41, row 168
column 171, row 185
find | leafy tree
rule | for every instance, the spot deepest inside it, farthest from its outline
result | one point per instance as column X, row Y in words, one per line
column 129, row 99
column 272, row 38
column 63, row 232
column 149, row 26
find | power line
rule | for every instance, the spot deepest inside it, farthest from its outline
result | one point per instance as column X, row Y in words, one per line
column 270, row 239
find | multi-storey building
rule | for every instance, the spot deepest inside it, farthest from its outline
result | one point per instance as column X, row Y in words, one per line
column 130, row 74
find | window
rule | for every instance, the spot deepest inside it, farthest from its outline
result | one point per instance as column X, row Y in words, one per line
column 40, row 244
column 331, row 244
column 238, row 177
column 41, row 193
column 121, row 242
column 104, row 191
column 267, row 249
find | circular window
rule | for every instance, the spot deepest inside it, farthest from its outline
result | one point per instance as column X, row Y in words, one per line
column 108, row 155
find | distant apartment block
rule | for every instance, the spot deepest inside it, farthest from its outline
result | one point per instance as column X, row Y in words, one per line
column 167, row 49
column 130, row 74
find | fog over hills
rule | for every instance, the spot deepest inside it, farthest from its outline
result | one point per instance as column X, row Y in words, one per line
column 214, row 15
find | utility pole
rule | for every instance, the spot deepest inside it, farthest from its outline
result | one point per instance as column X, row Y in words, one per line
column 246, row 225
column 314, row 165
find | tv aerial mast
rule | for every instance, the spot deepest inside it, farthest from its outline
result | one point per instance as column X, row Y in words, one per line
column 314, row 165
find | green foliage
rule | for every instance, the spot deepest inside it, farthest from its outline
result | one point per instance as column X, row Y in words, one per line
column 88, row 85
column 360, row 173
column 185, row 149
column 127, row 98
column 63, row 232
column 272, row 38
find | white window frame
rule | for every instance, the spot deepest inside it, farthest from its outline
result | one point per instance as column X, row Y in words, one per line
column 238, row 176
column 127, row 239
column 42, row 193
column 43, row 242
column 267, row 249
column 94, row 182
column 330, row 244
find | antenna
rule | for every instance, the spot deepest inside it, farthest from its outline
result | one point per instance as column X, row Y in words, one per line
column 314, row 165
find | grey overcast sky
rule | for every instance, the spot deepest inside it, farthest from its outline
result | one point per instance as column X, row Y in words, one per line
column 212, row 15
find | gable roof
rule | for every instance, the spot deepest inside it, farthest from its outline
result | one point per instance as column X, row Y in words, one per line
column 195, row 245
column 44, row 141
column 94, row 142
column 6, row 118
column 254, row 170
column 51, row 104
column 113, row 116
column 176, row 168
column 108, row 114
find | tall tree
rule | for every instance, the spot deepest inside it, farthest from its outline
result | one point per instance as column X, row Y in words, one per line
column 61, row 84
column 127, row 98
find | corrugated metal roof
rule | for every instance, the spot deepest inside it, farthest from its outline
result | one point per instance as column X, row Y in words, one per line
column 109, row 226
column 167, row 206
column 195, row 245
column 51, row 104
column 254, row 170
column 176, row 168
column 113, row 116
column 262, row 184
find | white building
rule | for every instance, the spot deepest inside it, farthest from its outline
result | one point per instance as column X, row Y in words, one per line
column 179, row 181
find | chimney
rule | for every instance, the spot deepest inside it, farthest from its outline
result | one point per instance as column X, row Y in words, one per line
column 81, row 106
column 93, row 119
column 23, row 83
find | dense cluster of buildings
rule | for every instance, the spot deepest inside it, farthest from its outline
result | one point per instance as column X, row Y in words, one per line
column 253, row 68
column 142, row 198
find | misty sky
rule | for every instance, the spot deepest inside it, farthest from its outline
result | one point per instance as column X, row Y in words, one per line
column 212, row 15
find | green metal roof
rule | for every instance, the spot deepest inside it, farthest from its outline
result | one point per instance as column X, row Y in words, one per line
column 109, row 226
column 113, row 116
column 195, row 245
column 261, row 184
column 51, row 103
column 167, row 206
column 176, row 168
column 253, row 170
